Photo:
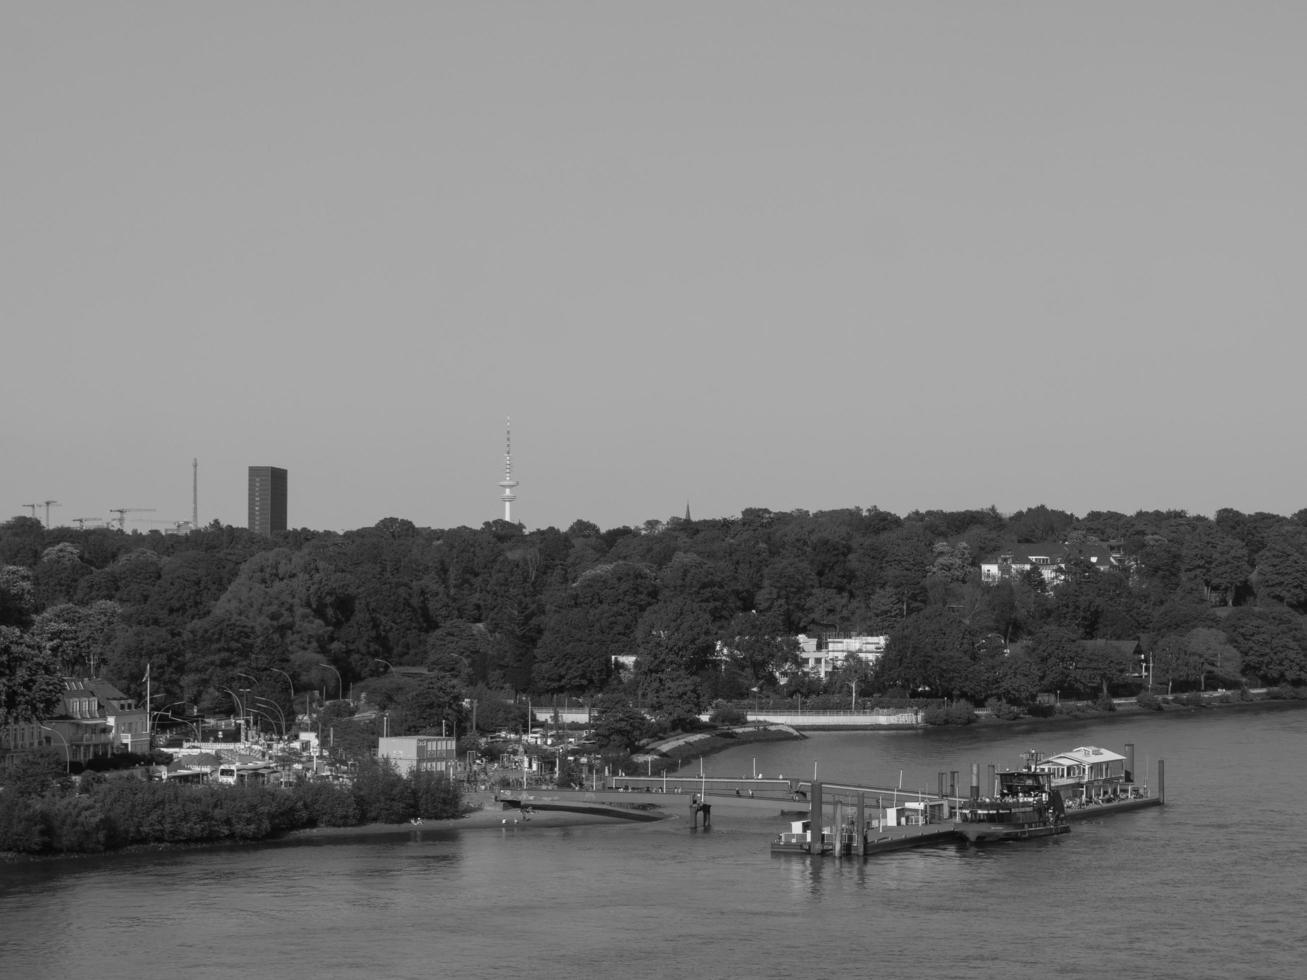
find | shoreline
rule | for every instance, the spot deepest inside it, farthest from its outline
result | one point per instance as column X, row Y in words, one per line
column 484, row 812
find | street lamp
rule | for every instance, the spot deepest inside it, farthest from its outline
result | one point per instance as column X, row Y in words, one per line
column 240, row 709
column 275, row 707
column 184, row 721
column 289, row 682
column 340, row 683
column 389, row 666
column 68, row 764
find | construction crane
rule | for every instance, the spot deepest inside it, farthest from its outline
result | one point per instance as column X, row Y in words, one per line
column 122, row 513
column 33, row 507
column 48, row 505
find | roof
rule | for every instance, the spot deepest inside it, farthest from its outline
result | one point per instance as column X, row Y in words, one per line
column 1085, row 755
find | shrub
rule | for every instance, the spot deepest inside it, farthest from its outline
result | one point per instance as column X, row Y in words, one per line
column 1149, row 702
column 1003, row 711
column 728, row 714
column 955, row 713
column 22, row 828
column 326, row 805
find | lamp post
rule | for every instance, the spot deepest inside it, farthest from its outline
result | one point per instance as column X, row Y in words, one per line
column 389, row 666
column 240, row 708
column 68, row 764
column 275, row 707
column 184, row 721
column 289, row 683
column 340, row 683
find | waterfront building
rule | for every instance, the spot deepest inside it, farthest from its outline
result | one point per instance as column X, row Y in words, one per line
column 418, row 753
column 94, row 718
column 822, row 655
column 267, row 499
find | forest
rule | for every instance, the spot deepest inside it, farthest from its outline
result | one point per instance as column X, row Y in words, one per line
column 709, row 609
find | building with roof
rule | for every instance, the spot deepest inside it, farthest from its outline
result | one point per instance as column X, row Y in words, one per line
column 1086, row 773
column 419, row 753
column 94, row 718
column 1049, row 558
column 824, row 654
column 267, row 499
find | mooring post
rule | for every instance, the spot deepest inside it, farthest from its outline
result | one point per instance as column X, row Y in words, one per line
column 1161, row 781
column 860, row 828
column 814, row 820
column 1129, row 762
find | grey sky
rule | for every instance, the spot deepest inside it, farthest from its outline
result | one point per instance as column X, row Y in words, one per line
column 807, row 255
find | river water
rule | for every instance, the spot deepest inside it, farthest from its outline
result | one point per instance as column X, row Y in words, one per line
column 1211, row 885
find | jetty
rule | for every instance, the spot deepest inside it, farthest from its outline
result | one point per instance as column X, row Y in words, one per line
column 853, row 820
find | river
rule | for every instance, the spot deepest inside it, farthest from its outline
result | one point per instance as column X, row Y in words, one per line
column 1211, row 885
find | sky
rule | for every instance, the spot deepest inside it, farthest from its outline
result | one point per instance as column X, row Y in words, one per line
column 725, row 254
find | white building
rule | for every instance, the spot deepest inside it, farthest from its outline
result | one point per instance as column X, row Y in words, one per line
column 821, row 655
column 418, row 753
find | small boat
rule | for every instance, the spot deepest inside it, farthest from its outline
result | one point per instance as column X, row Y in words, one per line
column 798, row 840
column 1026, row 806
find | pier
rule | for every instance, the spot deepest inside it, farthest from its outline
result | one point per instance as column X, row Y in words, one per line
column 852, row 820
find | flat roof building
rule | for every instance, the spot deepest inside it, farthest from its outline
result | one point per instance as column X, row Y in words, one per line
column 267, row 500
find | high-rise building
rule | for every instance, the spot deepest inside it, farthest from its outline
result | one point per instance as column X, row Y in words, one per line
column 267, row 499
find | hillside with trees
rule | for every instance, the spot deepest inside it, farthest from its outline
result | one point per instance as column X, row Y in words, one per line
column 708, row 608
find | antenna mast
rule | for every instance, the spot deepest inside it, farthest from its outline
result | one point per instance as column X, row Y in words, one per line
column 508, row 483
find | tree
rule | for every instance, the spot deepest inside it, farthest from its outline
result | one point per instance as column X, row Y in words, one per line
column 31, row 685
column 431, row 705
column 618, row 725
column 1056, row 651
column 931, row 650
column 78, row 636
column 757, row 647
column 1282, row 567
column 1272, row 642
column 1211, row 650
column 1173, row 661
column 16, row 597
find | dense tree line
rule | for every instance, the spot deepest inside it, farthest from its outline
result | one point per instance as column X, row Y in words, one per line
column 42, row 813
column 708, row 608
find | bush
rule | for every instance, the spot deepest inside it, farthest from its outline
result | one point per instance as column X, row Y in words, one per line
column 955, row 713
column 728, row 714
column 1003, row 711
column 1149, row 702
column 22, row 828
column 326, row 805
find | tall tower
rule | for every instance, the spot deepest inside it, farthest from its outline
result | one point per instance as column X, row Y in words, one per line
column 267, row 499
column 508, row 483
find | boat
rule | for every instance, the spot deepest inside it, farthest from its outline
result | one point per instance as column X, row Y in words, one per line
column 1026, row 805
column 798, row 840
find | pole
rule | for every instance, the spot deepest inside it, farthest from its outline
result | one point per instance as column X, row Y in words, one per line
column 340, row 683
column 68, row 764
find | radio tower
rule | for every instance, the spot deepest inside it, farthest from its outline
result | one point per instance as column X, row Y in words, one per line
column 508, row 483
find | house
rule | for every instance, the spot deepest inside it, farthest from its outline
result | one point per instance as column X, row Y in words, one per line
column 94, row 718
column 1049, row 557
column 1086, row 773
column 821, row 655
column 419, row 753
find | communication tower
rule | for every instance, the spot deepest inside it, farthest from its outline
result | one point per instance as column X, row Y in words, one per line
column 508, row 483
